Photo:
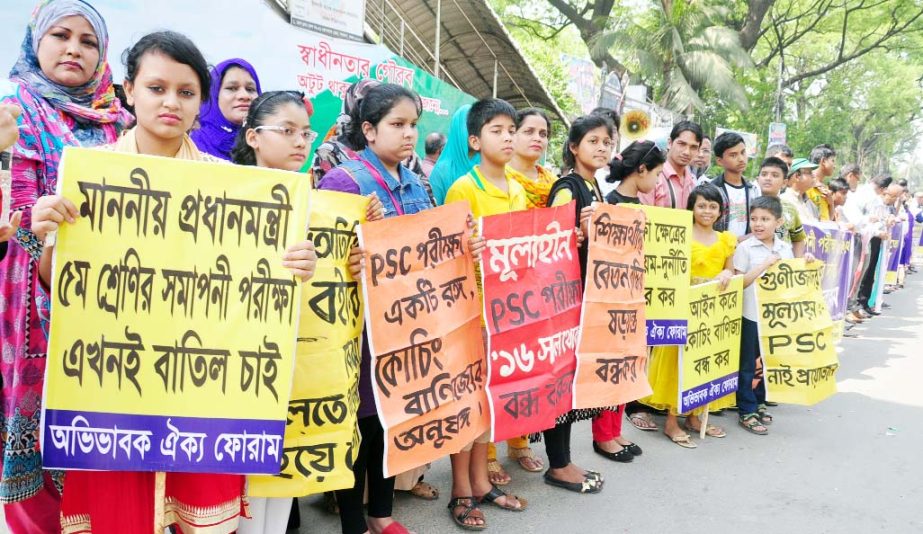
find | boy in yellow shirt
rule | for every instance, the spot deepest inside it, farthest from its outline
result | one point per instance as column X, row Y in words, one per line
column 489, row 187
column 491, row 190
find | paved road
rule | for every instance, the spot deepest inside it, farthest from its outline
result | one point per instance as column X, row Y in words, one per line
column 849, row 464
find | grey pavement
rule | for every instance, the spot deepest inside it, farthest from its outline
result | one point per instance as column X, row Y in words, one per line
column 849, row 464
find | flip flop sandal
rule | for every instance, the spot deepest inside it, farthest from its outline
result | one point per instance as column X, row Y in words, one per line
column 495, row 470
column 645, row 417
column 589, row 485
column 624, row 455
column 683, row 440
column 425, row 491
column 764, row 415
column 526, row 453
column 459, row 519
column 751, row 422
column 495, row 493
column 711, row 431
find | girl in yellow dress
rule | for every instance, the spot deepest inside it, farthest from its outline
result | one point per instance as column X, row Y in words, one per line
column 712, row 253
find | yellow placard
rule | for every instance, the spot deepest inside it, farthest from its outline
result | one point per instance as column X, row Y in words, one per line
column 321, row 436
column 797, row 337
column 667, row 249
column 174, row 326
column 710, row 360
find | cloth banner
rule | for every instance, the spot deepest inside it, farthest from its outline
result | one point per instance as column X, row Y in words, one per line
column 710, row 360
column 667, row 248
column 423, row 319
column 532, row 296
column 612, row 357
column 796, row 334
column 174, row 327
column 895, row 244
column 321, row 436
column 833, row 246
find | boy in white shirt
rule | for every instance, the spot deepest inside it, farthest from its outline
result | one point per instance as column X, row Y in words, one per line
column 753, row 256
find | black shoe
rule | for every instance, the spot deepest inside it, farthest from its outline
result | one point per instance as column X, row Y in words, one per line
column 623, row 455
column 871, row 312
column 634, row 449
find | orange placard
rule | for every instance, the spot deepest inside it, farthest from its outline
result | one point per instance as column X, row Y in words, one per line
column 424, row 331
column 612, row 355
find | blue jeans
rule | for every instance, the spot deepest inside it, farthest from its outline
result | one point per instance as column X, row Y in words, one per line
column 748, row 397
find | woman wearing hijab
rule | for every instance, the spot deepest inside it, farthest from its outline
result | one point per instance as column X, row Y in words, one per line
column 456, row 159
column 234, row 86
column 65, row 91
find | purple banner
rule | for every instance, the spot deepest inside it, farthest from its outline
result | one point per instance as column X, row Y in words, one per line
column 894, row 250
column 707, row 392
column 833, row 246
column 666, row 332
column 120, row 442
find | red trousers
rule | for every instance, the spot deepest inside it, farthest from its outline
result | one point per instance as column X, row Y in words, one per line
column 608, row 425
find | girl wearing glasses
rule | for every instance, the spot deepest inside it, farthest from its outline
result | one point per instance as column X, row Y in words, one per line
column 276, row 134
column 234, row 87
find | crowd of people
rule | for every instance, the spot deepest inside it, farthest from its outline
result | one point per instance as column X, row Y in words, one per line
column 173, row 105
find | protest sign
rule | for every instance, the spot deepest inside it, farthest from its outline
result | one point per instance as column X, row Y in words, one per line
column 423, row 321
column 710, row 360
column 834, row 247
column 796, row 333
column 612, row 357
column 667, row 248
column 894, row 243
column 174, row 325
column 532, row 295
column 321, row 436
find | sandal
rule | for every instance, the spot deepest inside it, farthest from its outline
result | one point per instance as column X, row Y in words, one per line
column 470, row 507
column 526, row 459
column 683, row 440
column 642, row 421
column 589, row 485
column 751, row 423
column 497, row 475
column 764, row 415
column 624, row 455
column 425, row 491
column 711, row 431
column 495, row 493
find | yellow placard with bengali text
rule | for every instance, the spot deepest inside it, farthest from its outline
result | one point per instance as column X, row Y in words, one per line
column 667, row 249
column 796, row 334
column 173, row 337
column 321, row 436
column 710, row 360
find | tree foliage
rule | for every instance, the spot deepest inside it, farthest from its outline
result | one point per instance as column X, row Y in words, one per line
column 848, row 72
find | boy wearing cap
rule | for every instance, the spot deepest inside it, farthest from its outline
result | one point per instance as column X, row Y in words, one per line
column 800, row 180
